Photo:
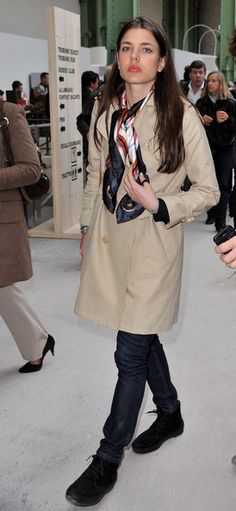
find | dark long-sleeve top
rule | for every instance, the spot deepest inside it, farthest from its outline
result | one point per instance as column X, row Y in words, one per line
column 219, row 134
column 84, row 119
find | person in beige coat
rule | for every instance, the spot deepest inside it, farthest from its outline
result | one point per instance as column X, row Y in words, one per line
column 29, row 333
column 147, row 139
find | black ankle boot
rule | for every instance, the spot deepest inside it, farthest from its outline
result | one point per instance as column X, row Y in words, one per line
column 167, row 425
column 97, row 480
column 31, row 368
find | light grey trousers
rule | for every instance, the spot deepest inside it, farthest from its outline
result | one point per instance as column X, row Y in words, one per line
column 25, row 326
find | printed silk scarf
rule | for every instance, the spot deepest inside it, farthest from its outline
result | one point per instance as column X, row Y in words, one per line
column 123, row 141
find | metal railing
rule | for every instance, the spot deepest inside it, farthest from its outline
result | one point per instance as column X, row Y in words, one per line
column 209, row 29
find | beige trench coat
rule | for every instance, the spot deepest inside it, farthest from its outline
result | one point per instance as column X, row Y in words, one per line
column 15, row 254
column 131, row 272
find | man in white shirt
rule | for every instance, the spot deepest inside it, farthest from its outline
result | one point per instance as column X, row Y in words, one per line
column 193, row 90
column 197, row 74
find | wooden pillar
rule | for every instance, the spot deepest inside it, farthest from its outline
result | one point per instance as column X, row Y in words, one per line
column 66, row 143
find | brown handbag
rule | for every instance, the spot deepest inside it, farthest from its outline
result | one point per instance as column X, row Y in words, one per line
column 28, row 192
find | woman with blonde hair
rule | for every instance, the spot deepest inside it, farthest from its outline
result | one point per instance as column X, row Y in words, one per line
column 217, row 108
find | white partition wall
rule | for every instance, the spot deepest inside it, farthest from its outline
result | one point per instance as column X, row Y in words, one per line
column 183, row 58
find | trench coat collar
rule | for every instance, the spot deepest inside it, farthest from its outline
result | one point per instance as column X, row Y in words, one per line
column 144, row 122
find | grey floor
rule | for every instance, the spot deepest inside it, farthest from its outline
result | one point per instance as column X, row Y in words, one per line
column 51, row 421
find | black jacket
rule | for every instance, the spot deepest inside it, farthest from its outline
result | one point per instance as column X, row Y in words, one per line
column 220, row 134
column 83, row 120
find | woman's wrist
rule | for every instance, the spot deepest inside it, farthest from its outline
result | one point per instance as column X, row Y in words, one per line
column 154, row 211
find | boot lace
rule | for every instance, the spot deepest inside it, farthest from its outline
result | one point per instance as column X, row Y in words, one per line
column 160, row 422
column 97, row 466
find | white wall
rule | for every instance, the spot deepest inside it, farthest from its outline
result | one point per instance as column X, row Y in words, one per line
column 30, row 55
column 23, row 38
column 26, row 55
column 94, row 59
column 183, row 58
column 29, row 17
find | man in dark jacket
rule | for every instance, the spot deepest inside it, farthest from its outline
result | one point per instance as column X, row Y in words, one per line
column 192, row 88
column 90, row 84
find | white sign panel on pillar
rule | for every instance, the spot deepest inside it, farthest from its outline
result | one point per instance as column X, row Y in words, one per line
column 65, row 106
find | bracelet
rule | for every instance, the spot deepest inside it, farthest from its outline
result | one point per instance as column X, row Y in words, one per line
column 84, row 229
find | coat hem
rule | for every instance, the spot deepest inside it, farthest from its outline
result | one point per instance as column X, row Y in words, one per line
column 16, row 280
column 124, row 327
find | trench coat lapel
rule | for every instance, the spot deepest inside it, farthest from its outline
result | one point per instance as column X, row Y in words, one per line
column 101, row 125
column 145, row 122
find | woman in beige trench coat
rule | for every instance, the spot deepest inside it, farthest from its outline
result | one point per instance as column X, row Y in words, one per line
column 30, row 335
column 133, row 210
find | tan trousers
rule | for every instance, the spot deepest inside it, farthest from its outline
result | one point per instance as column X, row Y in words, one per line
column 26, row 328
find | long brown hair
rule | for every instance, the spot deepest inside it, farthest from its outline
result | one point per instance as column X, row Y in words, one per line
column 167, row 98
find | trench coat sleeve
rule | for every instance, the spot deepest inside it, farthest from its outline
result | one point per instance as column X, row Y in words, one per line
column 94, row 174
column 26, row 169
column 204, row 192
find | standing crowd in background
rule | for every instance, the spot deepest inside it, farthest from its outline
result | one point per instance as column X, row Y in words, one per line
column 214, row 99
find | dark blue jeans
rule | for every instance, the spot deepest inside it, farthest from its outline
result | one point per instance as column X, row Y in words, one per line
column 139, row 358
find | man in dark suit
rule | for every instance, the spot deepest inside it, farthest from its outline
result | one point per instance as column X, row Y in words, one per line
column 90, row 84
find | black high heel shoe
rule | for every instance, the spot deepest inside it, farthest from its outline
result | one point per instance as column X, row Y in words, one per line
column 31, row 368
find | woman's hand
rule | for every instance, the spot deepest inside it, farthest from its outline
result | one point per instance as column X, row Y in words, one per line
column 207, row 119
column 83, row 243
column 142, row 194
column 228, row 246
column 221, row 116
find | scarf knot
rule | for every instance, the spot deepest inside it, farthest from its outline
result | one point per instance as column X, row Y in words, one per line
column 123, row 143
